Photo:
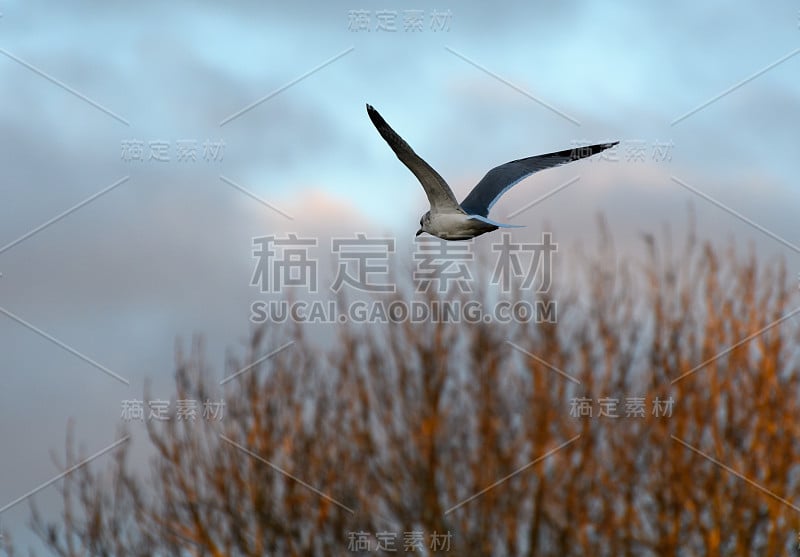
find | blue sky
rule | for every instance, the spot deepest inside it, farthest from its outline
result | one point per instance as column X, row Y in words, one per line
column 167, row 253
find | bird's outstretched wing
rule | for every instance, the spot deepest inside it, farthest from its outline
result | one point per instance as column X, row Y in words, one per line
column 501, row 178
column 439, row 193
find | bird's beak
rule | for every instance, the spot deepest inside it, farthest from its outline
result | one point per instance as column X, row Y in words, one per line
column 418, row 232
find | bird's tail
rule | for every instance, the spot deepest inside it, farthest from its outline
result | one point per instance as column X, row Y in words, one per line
column 494, row 223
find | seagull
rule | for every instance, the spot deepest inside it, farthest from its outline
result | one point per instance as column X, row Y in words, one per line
column 450, row 220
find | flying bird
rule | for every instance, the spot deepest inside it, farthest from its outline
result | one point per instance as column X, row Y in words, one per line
column 450, row 220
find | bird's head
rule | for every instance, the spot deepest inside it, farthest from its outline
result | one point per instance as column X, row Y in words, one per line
column 424, row 224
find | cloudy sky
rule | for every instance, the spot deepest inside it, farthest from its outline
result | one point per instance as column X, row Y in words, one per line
column 269, row 98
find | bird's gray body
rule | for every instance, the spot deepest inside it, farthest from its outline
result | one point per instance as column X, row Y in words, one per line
column 450, row 220
column 454, row 225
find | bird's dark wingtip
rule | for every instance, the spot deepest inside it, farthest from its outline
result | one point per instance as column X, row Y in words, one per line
column 376, row 117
